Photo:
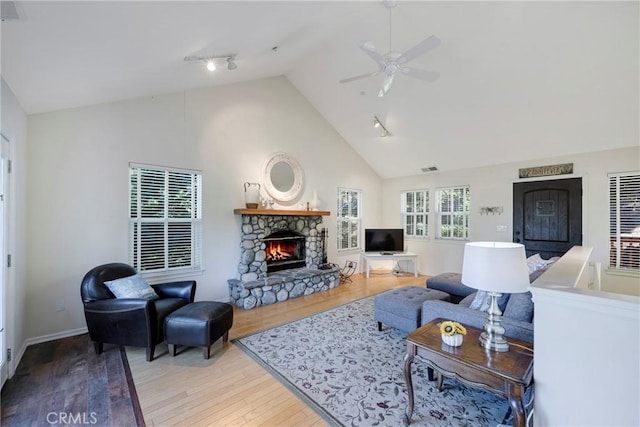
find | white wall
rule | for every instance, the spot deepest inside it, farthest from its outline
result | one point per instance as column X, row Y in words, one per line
column 14, row 127
column 587, row 347
column 493, row 186
column 78, row 187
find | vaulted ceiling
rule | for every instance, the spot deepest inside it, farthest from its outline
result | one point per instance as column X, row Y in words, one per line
column 518, row 80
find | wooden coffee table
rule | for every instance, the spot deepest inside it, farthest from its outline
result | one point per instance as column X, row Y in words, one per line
column 507, row 374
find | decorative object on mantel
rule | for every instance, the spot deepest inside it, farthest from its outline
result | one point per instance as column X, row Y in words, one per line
column 267, row 203
column 452, row 333
column 251, row 195
column 486, row 210
column 314, row 203
column 561, row 169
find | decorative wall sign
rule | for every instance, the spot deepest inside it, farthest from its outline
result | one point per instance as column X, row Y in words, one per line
column 563, row 169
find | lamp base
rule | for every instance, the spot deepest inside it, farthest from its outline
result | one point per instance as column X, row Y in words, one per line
column 493, row 336
column 492, row 343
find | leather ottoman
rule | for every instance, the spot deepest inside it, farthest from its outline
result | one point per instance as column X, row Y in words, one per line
column 198, row 324
column 402, row 307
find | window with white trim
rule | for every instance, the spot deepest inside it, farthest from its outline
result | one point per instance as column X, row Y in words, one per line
column 453, row 213
column 415, row 213
column 348, row 218
column 165, row 219
column 624, row 221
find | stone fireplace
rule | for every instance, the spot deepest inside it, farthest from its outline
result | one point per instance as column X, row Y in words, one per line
column 282, row 255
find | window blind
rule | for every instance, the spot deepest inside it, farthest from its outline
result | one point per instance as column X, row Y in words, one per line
column 624, row 220
column 348, row 221
column 453, row 213
column 165, row 218
column 415, row 211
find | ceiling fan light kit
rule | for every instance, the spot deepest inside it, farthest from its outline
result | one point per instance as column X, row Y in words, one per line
column 211, row 61
column 392, row 62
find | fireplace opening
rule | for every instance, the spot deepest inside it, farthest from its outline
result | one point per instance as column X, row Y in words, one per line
column 284, row 250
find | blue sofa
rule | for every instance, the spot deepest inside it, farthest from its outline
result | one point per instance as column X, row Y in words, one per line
column 517, row 316
column 517, row 309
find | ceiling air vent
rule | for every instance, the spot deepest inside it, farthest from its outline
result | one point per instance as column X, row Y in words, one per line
column 430, row 169
column 8, row 11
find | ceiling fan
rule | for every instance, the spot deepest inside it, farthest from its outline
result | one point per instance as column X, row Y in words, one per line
column 392, row 62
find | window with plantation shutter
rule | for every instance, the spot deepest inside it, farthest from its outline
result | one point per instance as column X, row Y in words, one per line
column 453, row 213
column 624, row 220
column 348, row 219
column 165, row 219
column 415, row 213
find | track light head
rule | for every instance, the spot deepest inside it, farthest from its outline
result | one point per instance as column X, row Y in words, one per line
column 210, row 61
column 378, row 125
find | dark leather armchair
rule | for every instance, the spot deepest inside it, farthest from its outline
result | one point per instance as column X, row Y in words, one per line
column 128, row 321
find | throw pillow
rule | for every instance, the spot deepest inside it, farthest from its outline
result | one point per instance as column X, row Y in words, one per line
column 520, row 307
column 466, row 301
column 534, row 263
column 131, row 287
column 482, row 301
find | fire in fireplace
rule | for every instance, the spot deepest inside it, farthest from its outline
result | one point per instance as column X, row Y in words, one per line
column 284, row 250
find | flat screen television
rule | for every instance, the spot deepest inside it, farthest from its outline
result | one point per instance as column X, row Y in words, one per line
column 384, row 240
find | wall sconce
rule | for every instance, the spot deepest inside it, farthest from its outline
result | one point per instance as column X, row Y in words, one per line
column 211, row 61
column 378, row 124
column 486, row 210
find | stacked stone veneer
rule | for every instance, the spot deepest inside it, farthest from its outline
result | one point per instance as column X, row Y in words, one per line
column 255, row 288
column 281, row 286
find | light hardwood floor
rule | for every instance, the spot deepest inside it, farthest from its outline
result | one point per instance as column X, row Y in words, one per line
column 230, row 389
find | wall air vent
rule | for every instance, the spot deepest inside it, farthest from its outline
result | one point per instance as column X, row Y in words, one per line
column 8, row 11
column 430, row 169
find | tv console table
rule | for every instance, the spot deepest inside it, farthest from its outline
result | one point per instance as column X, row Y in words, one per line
column 367, row 257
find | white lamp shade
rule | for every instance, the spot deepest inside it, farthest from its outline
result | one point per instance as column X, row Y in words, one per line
column 495, row 267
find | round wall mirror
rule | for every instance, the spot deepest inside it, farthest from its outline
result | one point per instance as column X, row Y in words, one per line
column 283, row 177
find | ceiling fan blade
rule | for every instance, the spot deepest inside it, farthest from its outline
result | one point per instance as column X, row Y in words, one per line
column 423, row 47
column 386, row 85
column 370, row 49
column 361, row 76
column 429, row 76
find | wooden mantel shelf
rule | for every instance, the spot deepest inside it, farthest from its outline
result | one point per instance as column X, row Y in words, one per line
column 279, row 212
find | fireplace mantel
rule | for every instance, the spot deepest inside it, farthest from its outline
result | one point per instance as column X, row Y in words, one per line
column 273, row 212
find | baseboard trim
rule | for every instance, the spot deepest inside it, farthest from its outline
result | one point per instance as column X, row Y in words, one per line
column 45, row 338
column 56, row 336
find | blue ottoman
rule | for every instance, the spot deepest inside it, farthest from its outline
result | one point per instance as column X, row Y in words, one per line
column 402, row 307
column 450, row 283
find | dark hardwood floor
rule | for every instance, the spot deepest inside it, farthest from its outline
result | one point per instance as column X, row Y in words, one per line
column 64, row 382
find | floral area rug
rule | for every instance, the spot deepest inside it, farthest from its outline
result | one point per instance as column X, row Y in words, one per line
column 351, row 374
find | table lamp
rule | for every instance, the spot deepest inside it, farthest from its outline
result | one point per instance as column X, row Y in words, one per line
column 497, row 268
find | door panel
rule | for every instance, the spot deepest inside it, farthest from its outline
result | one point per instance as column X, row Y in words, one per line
column 547, row 216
